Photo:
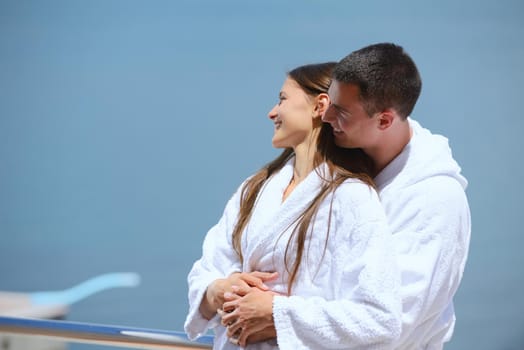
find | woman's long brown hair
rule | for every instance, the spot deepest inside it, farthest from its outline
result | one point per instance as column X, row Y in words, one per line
column 342, row 164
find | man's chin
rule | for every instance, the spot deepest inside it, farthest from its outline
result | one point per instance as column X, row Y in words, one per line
column 343, row 144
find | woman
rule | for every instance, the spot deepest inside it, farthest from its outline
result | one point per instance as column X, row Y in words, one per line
column 307, row 235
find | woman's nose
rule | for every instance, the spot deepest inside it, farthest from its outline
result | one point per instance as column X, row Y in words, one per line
column 272, row 113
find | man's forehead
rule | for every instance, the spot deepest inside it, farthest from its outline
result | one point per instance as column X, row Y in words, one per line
column 337, row 88
column 333, row 89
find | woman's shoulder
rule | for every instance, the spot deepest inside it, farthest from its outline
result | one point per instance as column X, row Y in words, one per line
column 356, row 206
column 353, row 192
column 356, row 186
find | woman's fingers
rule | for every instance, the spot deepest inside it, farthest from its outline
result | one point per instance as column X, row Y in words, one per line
column 258, row 335
column 245, row 333
column 258, row 278
column 253, row 279
column 226, row 318
column 234, row 330
column 224, row 321
column 250, row 280
column 256, row 282
column 265, row 276
column 233, row 327
column 230, row 314
column 239, row 333
column 230, row 302
column 221, row 313
column 240, row 290
column 233, row 295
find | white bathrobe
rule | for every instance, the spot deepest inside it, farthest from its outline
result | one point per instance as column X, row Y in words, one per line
column 345, row 299
column 423, row 194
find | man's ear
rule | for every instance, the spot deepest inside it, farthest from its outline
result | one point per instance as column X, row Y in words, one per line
column 386, row 118
column 322, row 104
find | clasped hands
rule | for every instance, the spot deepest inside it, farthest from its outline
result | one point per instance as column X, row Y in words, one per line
column 246, row 306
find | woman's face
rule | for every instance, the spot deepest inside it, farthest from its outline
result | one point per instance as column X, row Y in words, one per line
column 292, row 116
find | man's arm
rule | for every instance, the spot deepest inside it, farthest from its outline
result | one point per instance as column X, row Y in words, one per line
column 431, row 248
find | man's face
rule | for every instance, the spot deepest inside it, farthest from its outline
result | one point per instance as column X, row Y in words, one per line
column 352, row 126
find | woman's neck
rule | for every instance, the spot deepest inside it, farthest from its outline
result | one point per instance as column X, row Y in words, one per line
column 304, row 163
column 304, row 158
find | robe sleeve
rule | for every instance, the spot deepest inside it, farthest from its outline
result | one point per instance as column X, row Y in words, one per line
column 432, row 247
column 218, row 260
column 366, row 310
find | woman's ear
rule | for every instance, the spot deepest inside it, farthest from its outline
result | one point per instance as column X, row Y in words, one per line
column 322, row 104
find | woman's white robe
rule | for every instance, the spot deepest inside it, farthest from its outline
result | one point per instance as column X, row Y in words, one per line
column 346, row 296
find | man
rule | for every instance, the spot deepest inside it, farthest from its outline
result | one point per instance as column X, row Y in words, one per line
column 373, row 92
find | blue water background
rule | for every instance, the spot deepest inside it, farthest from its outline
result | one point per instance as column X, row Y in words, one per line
column 125, row 126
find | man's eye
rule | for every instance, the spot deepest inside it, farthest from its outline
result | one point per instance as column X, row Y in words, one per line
column 341, row 113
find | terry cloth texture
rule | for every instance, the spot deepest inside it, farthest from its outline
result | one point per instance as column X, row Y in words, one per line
column 423, row 194
column 345, row 296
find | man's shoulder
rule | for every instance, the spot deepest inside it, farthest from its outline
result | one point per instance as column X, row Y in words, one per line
column 441, row 188
column 439, row 193
column 438, row 201
column 432, row 191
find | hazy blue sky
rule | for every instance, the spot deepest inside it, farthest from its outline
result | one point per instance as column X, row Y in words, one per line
column 125, row 126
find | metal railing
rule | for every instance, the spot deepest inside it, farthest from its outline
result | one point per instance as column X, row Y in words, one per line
column 13, row 328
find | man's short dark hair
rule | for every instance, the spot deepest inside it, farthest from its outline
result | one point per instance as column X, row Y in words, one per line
column 386, row 76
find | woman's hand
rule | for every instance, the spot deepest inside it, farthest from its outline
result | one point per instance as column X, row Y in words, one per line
column 267, row 333
column 248, row 315
column 214, row 297
column 251, row 279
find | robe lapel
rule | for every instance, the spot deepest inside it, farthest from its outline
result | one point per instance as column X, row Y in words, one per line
column 273, row 219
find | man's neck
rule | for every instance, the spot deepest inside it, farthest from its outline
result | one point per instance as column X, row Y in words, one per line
column 390, row 145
